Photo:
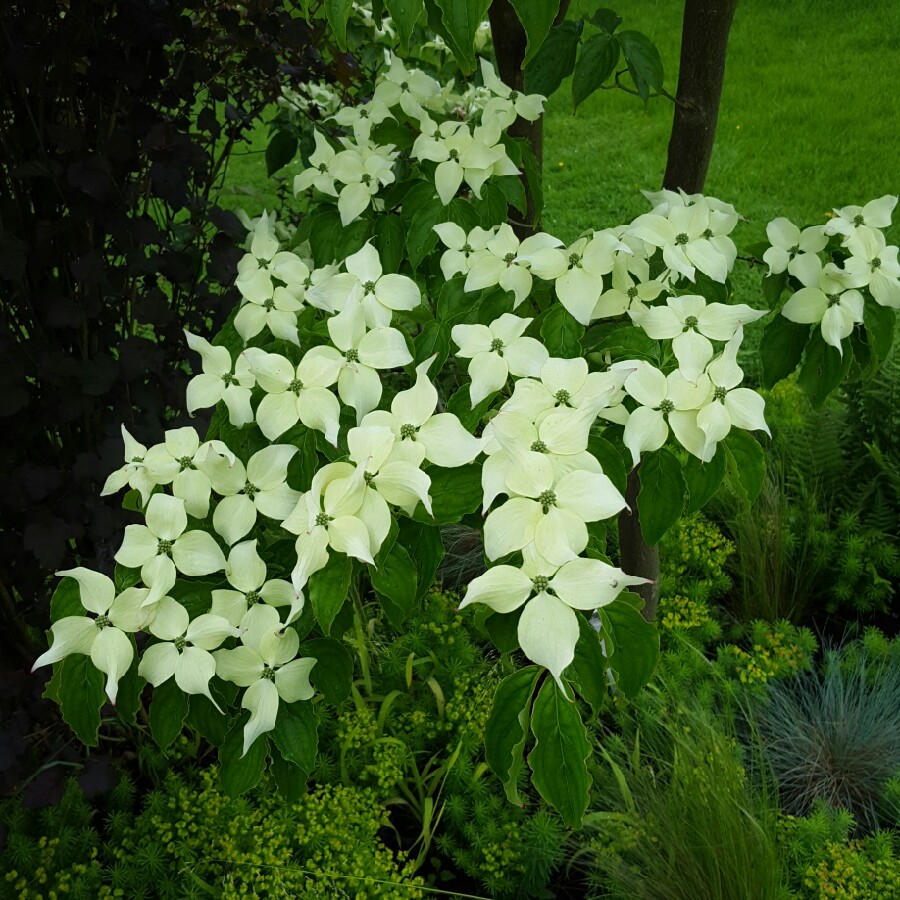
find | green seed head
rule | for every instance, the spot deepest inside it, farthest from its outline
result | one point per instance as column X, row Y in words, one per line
column 180, row 643
column 666, row 406
column 858, row 220
column 366, row 179
column 719, row 393
column 508, row 259
column 101, row 622
column 296, row 386
column 352, row 356
column 496, row 345
column 252, row 598
column 229, row 379
column 539, row 447
column 186, row 462
column 690, row 322
column 323, row 518
column 269, row 305
column 251, row 490
column 833, row 299
column 574, row 260
column 407, row 431
column 681, row 238
column 875, row 264
column 540, row 583
column 164, row 548
column 369, row 287
column 562, row 396
column 268, row 673
column 547, row 499
column 467, row 248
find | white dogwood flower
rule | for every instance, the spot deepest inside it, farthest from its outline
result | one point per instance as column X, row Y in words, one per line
column 874, row 265
column 508, row 104
column 246, row 573
column 875, row 214
column 463, row 250
column 134, row 473
column 221, row 379
column 496, row 351
column 320, row 173
column 276, row 311
column 363, row 176
column 665, row 401
column 553, row 515
column 361, row 118
column 690, row 322
column 442, row 438
column 789, row 244
column 184, row 648
column 261, row 487
column 104, row 637
column 267, row 665
column 548, row 626
column 267, row 261
column 408, row 88
column 163, row 546
column 827, row 298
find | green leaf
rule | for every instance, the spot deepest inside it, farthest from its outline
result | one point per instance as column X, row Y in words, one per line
column 131, row 685
column 425, row 547
column 338, row 11
column 492, row 206
column 781, row 348
column 389, row 240
column 454, row 493
column 462, row 213
column 536, row 17
column 535, row 178
column 434, row 339
column 773, row 287
column 324, row 235
column 204, row 718
column 621, row 342
column 514, row 191
column 404, row 14
column 507, row 727
column 66, row 600
column 503, row 630
column 746, row 462
column 125, row 578
column 661, row 497
column 333, row 672
column 610, row 461
column 606, row 19
column 880, row 322
column 395, row 583
column 304, row 464
column 555, row 60
column 588, row 668
column 295, row 733
column 289, row 777
column 168, row 710
column 351, row 238
column 81, row 697
column 328, row 589
column 461, row 19
column 238, row 774
column 559, row 758
column 702, row 479
column 596, row 62
column 823, row 369
column 281, row 150
column 454, row 305
column 644, row 62
column 421, row 238
column 562, row 333
column 632, row 645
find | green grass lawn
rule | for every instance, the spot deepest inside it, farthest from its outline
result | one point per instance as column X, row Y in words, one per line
column 808, row 121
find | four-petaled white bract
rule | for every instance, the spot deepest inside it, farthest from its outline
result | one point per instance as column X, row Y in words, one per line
column 542, row 486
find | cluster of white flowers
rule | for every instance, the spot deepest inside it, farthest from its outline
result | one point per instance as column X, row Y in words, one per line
column 830, row 294
column 467, row 150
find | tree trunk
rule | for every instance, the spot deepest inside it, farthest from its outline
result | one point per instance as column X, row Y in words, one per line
column 704, row 42
column 509, row 46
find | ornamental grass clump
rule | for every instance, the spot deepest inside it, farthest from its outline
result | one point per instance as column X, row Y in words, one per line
column 834, row 736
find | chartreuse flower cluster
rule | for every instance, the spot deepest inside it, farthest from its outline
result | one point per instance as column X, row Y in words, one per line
column 319, row 361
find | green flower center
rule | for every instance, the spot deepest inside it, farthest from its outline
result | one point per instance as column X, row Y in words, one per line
column 404, row 85
column 540, row 583
column 323, row 519
column 681, row 238
column 513, row 96
column 407, row 431
column 164, row 548
column 323, row 167
column 364, row 114
column 496, row 345
column 229, row 379
column 137, row 459
column 794, row 250
column 352, row 356
column 509, row 258
column 369, row 287
column 251, row 490
column 632, row 293
column 833, row 299
column 368, row 477
column 454, row 154
column 858, row 220
column 546, row 499
column 875, row 264
column 180, row 643
column 252, row 598
column 690, row 322
column 719, row 393
column 186, row 462
column 708, row 233
column 539, row 447
column 467, row 248
column 366, row 179
column 296, row 386
column 102, row 622
column 268, row 672
column 562, row 396
column 574, row 260
column 307, row 282
column 269, row 305
column 666, row 407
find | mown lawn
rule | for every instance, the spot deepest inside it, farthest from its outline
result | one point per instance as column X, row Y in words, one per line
column 809, row 120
